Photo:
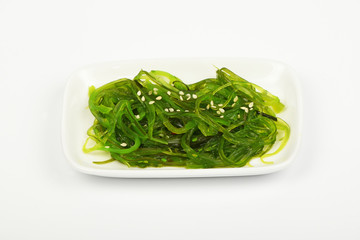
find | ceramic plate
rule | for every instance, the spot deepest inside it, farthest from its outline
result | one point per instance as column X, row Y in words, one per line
column 276, row 77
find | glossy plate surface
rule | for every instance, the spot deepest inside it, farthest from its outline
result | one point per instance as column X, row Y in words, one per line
column 276, row 77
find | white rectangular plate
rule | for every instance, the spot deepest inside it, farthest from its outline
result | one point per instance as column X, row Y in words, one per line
column 274, row 76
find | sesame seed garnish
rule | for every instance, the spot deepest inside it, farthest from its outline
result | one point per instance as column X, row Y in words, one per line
column 139, row 93
column 208, row 106
column 155, row 89
column 143, row 98
column 178, row 110
column 238, row 116
column 251, row 104
column 181, row 93
column 212, row 103
column 158, row 98
column 213, row 107
column 236, row 98
column 186, row 110
column 150, row 92
column 194, row 96
column 166, row 110
column 181, row 98
column 218, row 112
column 245, row 109
column 107, row 146
column 233, row 105
column 151, row 102
column 168, row 93
column 161, row 135
column 171, row 109
column 221, row 116
column 188, row 96
column 123, row 144
column 220, row 105
column 221, row 110
column 137, row 116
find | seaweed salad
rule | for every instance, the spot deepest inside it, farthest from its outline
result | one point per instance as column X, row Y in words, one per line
column 157, row 120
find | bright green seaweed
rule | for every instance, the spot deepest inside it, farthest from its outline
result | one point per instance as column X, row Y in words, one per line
column 157, row 120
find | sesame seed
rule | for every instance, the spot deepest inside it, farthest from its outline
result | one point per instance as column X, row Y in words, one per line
column 178, row 110
column 188, row 96
column 181, row 98
column 212, row 103
column 139, row 93
column 168, row 93
column 233, row 105
column 221, row 110
column 221, row 116
column 238, row 116
column 161, row 135
column 172, row 85
column 143, row 98
column 245, row 109
column 251, row 109
column 107, row 146
column 181, row 93
column 251, row 104
column 186, row 110
column 150, row 92
column 155, row 89
column 151, row 102
column 166, row 110
column 236, row 98
column 137, row 116
column 123, row 144
column 220, row 105
column 194, row 96
column 213, row 107
column 218, row 112
column 208, row 106
column 158, row 98
column 171, row 109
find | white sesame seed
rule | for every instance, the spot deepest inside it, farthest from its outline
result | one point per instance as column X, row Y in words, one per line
column 155, row 89
column 194, row 96
column 245, row 109
column 143, row 98
column 150, row 92
column 238, row 116
column 221, row 116
column 220, row 105
column 168, row 93
column 251, row 104
column 151, row 102
column 208, row 106
column 181, row 93
column 181, row 98
column 171, row 109
column 251, row 109
column 213, row 107
column 137, row 116
column 233, row 105
column 218, row 112
column 186, row 110
column 123, row 144
column 236, row 98
column 161, row 135
column 139, row 93
column 212, row 103
column 188, row 96
column 107, row 146
column 158, row 98
column 178, row 110
column 221, row 110
column 166, row 110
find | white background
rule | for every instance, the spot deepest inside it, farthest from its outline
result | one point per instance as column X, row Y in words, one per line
column 43, row 42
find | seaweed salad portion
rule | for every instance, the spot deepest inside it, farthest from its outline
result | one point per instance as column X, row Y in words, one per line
column 156, row 120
